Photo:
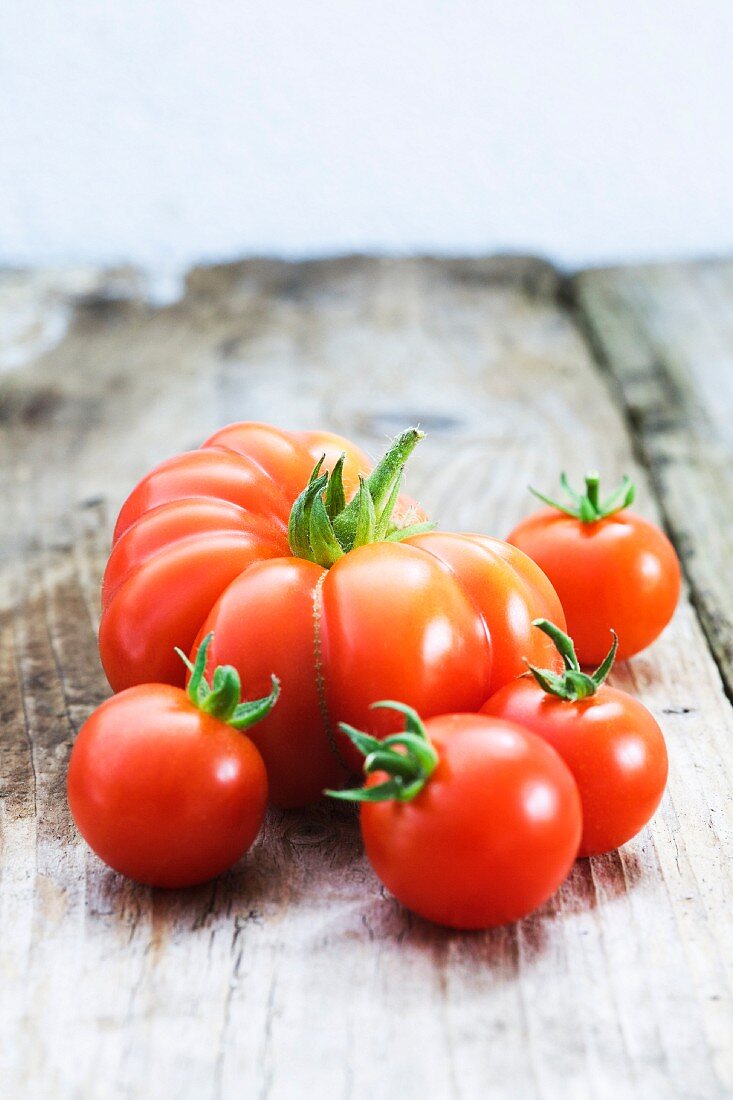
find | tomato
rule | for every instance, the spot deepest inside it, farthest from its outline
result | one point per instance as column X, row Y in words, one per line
column 610, row 567
column 509, row 589
column 469, row 821
column 346, row 603
column 191, row 526
column 609, row 740
column 417, row 619
column 385, row 617
column 162, row 783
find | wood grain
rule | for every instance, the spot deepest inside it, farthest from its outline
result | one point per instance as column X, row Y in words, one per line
column 296, row 973
column 665, row 333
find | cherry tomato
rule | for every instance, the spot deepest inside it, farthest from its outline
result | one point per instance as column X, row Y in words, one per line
column 355, row 600
column 610, row 568
column 164, row 786
column 609, row 740
column 469, row 821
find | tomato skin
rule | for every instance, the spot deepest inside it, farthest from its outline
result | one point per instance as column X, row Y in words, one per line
column 192, row 517
column 161, row 605
column 396, row 624
column 612, row 745
column 274, row 600
column 492, row 834
column 212, row 472
column 510, row 590
column 385, row 619
column 163, row 793
column 289, row 457
column 619, row 573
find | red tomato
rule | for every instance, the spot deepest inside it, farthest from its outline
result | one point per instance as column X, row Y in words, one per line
column 164, row 791
column 509, row 590
column 609, row 740
column 616, row 570
column 426, row 619
column 191, row 526
column 479, row 836
column 385, row 617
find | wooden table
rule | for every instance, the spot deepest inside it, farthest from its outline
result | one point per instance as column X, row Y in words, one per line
column 295, row 975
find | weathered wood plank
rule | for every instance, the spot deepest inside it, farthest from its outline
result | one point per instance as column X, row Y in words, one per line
column 296, row 972
column 666, row 335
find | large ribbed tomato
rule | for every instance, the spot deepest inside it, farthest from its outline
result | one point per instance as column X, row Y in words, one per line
column 339, row 600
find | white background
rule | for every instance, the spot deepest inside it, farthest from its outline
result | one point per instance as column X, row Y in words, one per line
column 169, row 131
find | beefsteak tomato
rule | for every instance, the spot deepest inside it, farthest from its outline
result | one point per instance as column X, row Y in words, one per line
column 326, row 577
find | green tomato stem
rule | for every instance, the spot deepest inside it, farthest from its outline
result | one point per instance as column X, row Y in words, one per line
column 323, row 527
column 222, row 698
column 573, row 684
column 587, row 507
column 408, row 770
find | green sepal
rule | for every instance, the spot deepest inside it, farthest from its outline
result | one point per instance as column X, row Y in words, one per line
column 573, row 684
column 413, row 721
column 364, row 742
column 581, row 685
column 253, row 711
column 385, row 516
column 601, row 673
column 335, row 495
column 222, row 698
column 316, row 471
column 198, row 689
column 366, row 516
column 398, row 534
column 391, row 789
column 587, row 507
column 324, row 545
column 379, row 483
column 409, row 771
column 226, row 691
column 322, row 526
column 621, row 497
column 299, row 522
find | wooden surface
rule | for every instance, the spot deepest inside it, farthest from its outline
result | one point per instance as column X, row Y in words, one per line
column 295, row 974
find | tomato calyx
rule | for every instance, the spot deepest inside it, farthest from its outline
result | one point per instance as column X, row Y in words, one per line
column 323, row 526
column 587, row 506
column 572, row 684
column 408, row 770
column 222, row 698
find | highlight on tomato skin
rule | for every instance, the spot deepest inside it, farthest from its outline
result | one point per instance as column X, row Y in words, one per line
column 609, row 740
column 611, row 568
column 470, row 821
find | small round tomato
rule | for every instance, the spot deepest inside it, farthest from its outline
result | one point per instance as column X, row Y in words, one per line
column 163, row 784
column 469, row 821
column 609, row 740
column 610, row 567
